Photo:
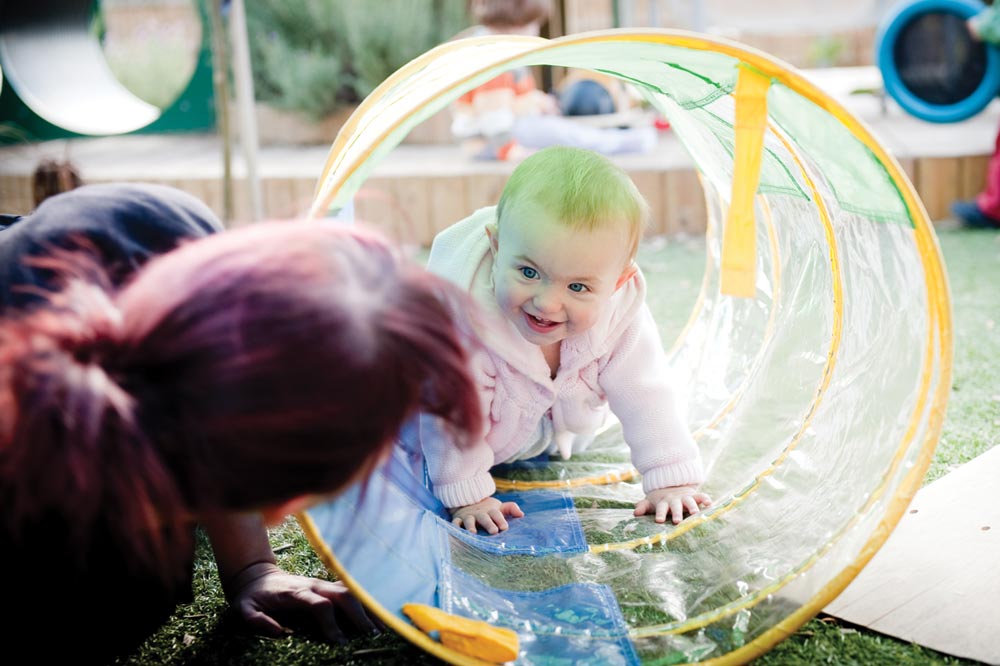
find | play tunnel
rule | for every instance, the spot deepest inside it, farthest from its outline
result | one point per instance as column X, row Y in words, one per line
column 57, row 82
column 816, row 367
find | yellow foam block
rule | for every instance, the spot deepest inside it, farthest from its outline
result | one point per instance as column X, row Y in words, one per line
column 472, row 637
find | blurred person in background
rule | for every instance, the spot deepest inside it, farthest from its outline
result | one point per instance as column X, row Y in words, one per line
column 984, row 211
column 509, row 117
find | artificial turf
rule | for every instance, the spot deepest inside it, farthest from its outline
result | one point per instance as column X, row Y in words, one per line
column 203, row 633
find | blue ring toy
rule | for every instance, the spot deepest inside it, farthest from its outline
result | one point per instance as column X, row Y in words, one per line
column 889, row 32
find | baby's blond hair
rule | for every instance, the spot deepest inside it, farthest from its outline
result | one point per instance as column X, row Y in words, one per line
column 580, row 188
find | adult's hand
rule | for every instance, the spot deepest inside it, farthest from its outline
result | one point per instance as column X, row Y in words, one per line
column 265, row 597
column 269, row 599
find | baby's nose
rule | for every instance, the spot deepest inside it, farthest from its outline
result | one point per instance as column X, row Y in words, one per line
column 546, row 301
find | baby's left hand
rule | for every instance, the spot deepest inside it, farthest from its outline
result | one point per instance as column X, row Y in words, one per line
column 673, row 500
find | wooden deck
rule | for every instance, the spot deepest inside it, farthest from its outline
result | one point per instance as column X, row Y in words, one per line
column 935, row 582
column 417, row 189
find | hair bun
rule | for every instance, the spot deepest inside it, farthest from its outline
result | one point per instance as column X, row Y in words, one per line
column 64, row 361
column 81, row 322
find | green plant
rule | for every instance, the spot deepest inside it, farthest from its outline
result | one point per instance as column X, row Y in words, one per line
column 313, row 56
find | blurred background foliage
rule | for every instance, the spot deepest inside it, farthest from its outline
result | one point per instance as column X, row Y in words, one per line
column 313, row 56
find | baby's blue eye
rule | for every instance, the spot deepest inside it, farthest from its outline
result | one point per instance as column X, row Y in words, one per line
column 529, row 272
column 578, row 287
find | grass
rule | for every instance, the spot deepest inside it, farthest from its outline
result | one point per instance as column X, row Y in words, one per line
column 972, row 424
column 203, row 633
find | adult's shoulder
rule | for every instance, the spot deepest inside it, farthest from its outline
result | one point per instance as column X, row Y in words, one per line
column 125, row 207
column 123, row 224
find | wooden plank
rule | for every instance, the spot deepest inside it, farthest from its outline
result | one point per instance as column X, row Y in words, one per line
column 413, row 198
column 483, row 190
column 862, row 45
column 375, row 206
column 973, row 175
column 196, row 187
column 296, row 196
column 305, row 190
column 436, row 129
column 650, row 185
column 302, row 195
column 909, row 165
column 936, row 581
column 213, row 195
column 371, row 202
column 684, row 202
column 16, row 196
column 278, row 199
column 447, row 204
column 937, row 184
column 242, row 215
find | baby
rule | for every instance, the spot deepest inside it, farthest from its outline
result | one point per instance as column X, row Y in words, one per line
column 566, row 334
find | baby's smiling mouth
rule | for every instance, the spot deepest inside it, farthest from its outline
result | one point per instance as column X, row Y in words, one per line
column 539, row 323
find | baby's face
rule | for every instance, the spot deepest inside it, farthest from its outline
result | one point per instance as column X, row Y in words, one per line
column 553, row 282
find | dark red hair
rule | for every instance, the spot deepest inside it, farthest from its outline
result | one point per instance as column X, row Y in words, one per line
column 238, row 371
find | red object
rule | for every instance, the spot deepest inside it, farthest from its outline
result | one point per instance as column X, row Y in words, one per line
column 989, row 199
column 661, row 123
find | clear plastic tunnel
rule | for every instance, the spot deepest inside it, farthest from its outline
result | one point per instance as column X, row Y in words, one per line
column 816, row 362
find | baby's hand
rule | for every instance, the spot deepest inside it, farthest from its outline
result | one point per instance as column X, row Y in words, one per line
column 673, row 500
column 489, row 513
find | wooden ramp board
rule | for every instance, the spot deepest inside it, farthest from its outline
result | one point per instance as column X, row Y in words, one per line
column 936, row 581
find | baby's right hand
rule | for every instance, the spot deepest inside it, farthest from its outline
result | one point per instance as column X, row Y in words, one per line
column 488, row 513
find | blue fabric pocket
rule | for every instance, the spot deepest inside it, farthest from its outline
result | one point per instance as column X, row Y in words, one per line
column 581, row 623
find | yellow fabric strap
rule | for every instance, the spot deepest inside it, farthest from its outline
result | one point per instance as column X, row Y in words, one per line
column 472, row 637
column 739, row 240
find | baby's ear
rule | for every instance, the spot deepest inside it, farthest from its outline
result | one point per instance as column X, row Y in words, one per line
column 626, row 275
column 494, row 235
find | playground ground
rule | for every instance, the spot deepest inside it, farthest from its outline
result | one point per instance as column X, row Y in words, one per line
column 202, row 634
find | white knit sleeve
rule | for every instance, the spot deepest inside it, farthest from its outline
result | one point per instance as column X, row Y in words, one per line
column 461, row 476
column 636, row 380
